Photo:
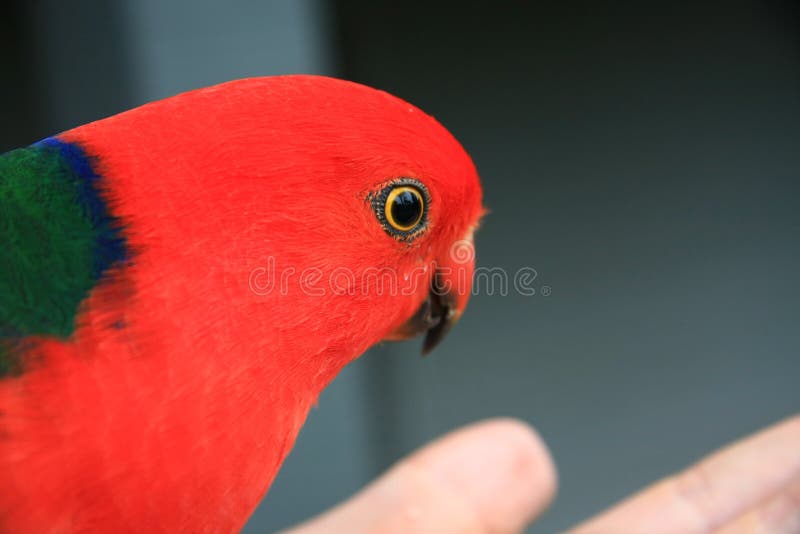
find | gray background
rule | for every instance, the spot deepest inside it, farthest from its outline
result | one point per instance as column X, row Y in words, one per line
column 643, row 159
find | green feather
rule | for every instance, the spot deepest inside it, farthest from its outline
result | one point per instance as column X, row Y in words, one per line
column 48, row 246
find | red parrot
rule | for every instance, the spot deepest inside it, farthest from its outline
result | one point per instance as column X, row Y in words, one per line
column 180, row 281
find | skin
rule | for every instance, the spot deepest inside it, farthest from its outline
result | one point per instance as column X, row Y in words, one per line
column 749, row 486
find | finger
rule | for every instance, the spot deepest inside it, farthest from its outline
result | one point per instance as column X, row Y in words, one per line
column 489, row 477
column 714, row 491
column 779, row 514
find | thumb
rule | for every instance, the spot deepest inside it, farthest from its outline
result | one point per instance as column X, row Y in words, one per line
column 489, row 477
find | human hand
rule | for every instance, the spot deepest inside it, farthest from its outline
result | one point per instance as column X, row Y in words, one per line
column 497, row 476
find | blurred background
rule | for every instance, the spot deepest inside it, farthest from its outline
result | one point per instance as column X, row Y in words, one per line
column 643, row 158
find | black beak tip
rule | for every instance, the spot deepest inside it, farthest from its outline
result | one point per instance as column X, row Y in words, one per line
column 444, row 309
column 435, row 336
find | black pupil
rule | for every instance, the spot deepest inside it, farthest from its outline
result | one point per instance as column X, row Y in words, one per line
column 406, row 208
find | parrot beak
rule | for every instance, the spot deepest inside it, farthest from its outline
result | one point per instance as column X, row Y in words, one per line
column 435, row 317
column 448, row 293
column 443, row 313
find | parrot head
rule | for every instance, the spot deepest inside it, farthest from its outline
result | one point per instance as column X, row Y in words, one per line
column 413, row 201
column 397, row 201
column 370, row 203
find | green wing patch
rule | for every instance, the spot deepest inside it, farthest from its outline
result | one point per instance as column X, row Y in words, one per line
column 51, row 236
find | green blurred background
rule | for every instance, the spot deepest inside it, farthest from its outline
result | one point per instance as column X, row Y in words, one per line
column 644, row 158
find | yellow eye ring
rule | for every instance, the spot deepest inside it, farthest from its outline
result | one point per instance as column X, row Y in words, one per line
column 404, row 208
column 401, row 206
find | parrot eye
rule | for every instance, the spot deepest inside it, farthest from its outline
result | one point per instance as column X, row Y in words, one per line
column 404, row 206
column 401, row 207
